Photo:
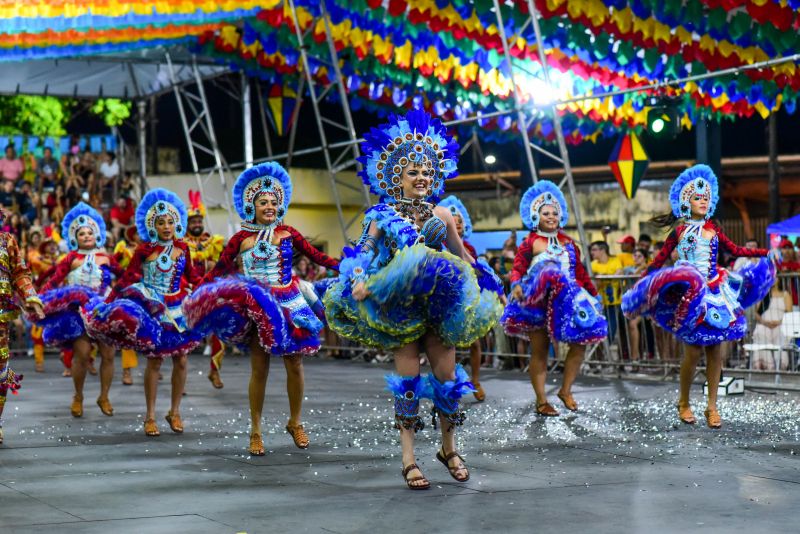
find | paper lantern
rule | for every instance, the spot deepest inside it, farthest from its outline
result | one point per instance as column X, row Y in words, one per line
column 281, row 102
column 628, row 162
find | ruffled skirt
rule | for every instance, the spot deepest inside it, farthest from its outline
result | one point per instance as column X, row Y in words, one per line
column 236, row 308
column 682, row 301
column 419, row 290
column 554, row 301
column 63, row 323
column 142, row 320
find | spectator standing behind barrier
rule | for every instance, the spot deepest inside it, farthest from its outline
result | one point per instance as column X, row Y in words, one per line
column 11, row 166
column 769, row 318
column 645, row 242
column 640, row 261
column 789, row 264
column 610, row 292
column 26, row 204
column 627, row 244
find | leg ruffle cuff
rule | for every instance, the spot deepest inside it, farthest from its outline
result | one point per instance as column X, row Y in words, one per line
column 446, row 397
column 408, row 390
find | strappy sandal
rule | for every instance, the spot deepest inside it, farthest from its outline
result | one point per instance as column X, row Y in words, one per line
column 410, row 481
column 713, row 418
column 685, row 414
column 445, row 459
column 76, row 408
column 298, row 435
column 214, row 378
column 480, row 395
column 568, row 401
column 150, row 428
column 256, row 444
column 175, row 422
column 105, row 407
column 546, row 409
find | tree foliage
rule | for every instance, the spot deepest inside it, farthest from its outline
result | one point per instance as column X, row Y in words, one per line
column 113, row 110
column 34, row 115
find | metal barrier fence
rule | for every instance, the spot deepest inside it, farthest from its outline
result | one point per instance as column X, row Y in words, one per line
column 769, row 354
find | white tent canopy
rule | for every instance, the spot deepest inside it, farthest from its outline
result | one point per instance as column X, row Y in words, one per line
column 135, row 75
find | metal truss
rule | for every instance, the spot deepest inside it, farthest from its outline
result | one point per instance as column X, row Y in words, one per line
column 328, row 127
column 198, row 129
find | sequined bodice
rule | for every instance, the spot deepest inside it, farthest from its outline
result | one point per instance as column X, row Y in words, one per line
column 563, row 254
column 164, row 277
column 88, row 274
column 696, row 249
column 265, row 261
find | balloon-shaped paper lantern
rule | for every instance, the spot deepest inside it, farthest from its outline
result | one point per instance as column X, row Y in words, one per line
column 628, row 162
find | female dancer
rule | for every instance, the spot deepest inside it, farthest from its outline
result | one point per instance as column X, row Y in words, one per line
column 88, row 271
column 464, row 228
column 397, row 290
column 263, row 308
column 143, row 312
column 698, row 301
column 15, row 287
column 553, row 299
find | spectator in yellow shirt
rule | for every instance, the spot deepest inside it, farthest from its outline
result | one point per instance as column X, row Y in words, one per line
column 626, row 245
column 610, row 292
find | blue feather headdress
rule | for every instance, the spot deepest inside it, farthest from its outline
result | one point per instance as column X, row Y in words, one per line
column 155, row 203
column 456, row 207
column 83, row 216
column 417, row 137
column 267, row 177
column 696, row 180
column 543, row 193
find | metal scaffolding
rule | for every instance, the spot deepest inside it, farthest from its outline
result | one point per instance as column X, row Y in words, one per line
column 327, row 126
column 198, row 129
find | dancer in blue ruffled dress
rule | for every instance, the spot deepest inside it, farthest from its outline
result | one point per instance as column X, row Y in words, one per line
column 398, row 290
column 251, row 299
column 144, row 312
column 552, row 297
column 701, row 303
column 88, row 272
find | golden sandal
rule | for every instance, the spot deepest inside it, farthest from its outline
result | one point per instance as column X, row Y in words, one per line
column 175, row 422
column 568, row 401
column 256, row 444
column 105, row 407
column 685, row 414
column 480, row 395
column 214, row 378
column 76, row 408
column 298, row 435
column 713, row 418
column 150, row 428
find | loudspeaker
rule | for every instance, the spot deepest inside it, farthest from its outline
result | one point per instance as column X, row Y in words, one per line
column 727, row 386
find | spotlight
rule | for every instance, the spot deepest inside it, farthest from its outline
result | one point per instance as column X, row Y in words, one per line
column 490, row 159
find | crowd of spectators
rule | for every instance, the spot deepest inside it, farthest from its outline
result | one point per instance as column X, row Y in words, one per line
column 37, row 189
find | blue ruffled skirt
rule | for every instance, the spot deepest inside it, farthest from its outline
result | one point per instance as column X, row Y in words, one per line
column 236, row 308
column 63, row 323
column 420, row 290
column 682, row 301
column 554, row 301
column 143, row 320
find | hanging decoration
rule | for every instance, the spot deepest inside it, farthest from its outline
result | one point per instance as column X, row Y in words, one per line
column 281, row 102
column 628, row 163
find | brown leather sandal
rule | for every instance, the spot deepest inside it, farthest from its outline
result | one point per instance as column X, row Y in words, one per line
column 256, row 444
column 105, row 407
column 150, row 428
column 713, row 418
column 685, row 414
column 445, row 459
column 546, row 409
column 299, row 435
column 569, row 401
column 175, row 422
column 480, row 395
column 410, row 481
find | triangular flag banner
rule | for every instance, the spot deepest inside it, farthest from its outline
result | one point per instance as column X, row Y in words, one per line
column 281, row 102
column 628, row 162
